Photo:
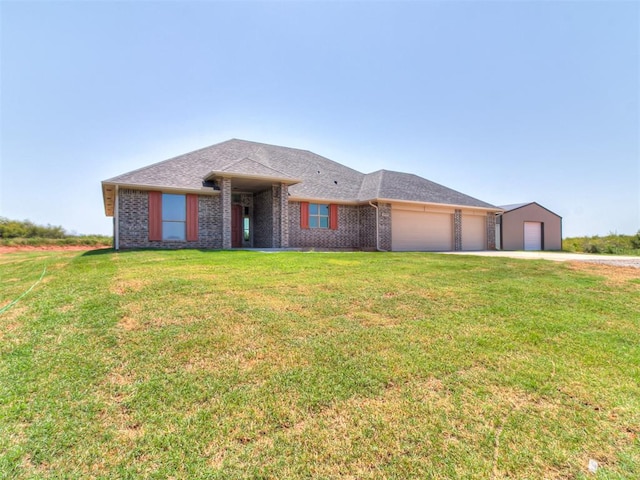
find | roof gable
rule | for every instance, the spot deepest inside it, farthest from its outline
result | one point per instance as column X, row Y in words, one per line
column 516, row 206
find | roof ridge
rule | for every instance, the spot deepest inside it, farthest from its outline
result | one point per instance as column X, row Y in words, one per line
column 262, row 144
column 259, row 145
column 226, row 167
column 378, row 185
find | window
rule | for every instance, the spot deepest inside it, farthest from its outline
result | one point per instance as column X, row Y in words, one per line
column 246, row 232
column 174, row 217
column 318, row 215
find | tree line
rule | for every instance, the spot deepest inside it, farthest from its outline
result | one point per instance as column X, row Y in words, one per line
column 28, row 229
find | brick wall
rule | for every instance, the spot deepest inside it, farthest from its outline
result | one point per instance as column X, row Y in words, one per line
column 346, row 236
column 133, row 216
column 368, row 240
column 276, row 216
column 491, row 231
column 385, row 226
column 263, row 219
column 457, row 230
column 225, row 210
column 284, row 215
column 367, row 227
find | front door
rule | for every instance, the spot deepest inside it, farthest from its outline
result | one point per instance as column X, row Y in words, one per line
column 236, row 226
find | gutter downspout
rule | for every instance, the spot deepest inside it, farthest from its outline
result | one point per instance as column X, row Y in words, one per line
column 116, row 227
column 377, row 226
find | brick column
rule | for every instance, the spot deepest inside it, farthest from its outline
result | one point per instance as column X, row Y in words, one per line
column 275, row 216
column 491, row 231
column 385, row 226
column 284, row 215
column 226, row 212
column 457, row 230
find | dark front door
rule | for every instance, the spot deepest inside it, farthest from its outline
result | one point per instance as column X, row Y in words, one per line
column 236, row 226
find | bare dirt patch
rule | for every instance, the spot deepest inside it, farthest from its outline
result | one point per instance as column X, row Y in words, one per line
column 44, row 248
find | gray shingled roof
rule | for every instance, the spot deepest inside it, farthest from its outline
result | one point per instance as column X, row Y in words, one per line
column 407, row 186
column 320, row 177
column 247, row 166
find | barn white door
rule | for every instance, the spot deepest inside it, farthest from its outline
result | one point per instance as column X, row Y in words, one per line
column 532, row 236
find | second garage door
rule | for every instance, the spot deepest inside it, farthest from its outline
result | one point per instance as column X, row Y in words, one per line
column 421, row 231
column 474, row 232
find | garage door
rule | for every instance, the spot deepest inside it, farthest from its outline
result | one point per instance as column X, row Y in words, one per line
column 474, row 232
column 421, row 231
column 532, row 236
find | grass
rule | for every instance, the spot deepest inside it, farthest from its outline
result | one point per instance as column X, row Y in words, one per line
column 189, row 364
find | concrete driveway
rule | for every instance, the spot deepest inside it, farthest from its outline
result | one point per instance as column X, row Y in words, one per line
column 614, row 260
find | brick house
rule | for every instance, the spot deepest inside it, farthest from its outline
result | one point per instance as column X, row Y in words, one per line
column 240, row 194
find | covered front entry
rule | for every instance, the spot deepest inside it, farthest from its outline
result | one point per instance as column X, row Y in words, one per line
column 254, row 210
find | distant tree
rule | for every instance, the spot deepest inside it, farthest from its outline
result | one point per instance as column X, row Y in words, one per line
column 27, row 229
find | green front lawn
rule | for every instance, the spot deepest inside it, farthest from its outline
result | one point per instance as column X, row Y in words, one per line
column 190, row 364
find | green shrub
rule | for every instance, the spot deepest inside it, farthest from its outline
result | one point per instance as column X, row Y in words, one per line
column 591, row 248
column 28, row 229
column 613, row 243
column 16, row 233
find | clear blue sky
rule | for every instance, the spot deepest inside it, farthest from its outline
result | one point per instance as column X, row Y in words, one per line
column 508, row 101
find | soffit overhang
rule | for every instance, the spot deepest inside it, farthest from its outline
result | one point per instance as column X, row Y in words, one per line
column 244, row 182
column 435, row 204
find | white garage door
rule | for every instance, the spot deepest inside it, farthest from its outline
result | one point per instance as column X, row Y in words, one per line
column 421, row 231
column 532, row 236
column 474, row 232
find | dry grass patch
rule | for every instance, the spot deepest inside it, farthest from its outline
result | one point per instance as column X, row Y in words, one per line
column 124, row 286
column 614, row 275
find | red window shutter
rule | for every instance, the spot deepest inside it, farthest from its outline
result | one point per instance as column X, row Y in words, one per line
column 155, row 216
column 304, row 214
column 192, row 218
column 333, row 216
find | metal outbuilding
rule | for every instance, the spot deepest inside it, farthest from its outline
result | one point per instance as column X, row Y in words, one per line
column 528, row 226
